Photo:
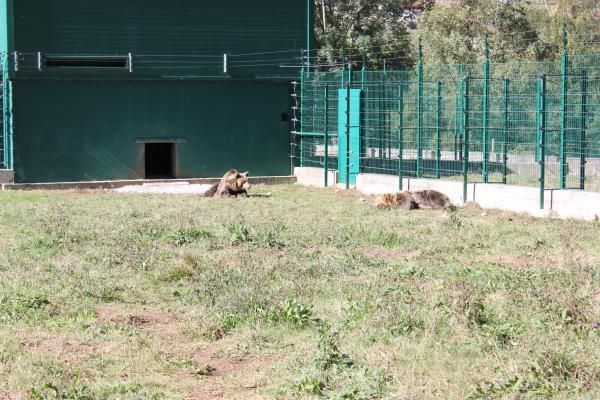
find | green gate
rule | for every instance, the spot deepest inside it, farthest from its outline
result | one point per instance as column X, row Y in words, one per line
column 349, row 135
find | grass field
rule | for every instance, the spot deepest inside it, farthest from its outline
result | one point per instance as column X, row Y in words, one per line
column 300, row 294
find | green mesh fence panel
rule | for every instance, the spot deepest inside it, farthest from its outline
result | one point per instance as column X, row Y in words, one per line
column 5, row 117
column 475, row 120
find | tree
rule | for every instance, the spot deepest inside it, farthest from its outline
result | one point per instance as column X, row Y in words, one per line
column 372, row 30
column 582, row 20
column 454, row 33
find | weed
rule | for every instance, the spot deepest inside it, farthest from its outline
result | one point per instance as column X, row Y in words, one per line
column 73, row 391
column 271, row 237
column 181, row 237
column 239, row 233
column 293, row 313
column 329, row 355
column 455, row 221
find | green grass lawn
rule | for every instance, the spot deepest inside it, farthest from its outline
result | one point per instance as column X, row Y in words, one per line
column 302, row 294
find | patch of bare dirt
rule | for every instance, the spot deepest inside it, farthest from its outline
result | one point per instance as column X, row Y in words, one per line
column 511, row 261
column 386, row 253
column 220, row 377
column 228, row 378
column 65, row 349
column 160, row 323
column 6, row 395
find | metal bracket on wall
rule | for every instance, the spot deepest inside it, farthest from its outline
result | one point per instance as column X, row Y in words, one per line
column 130, row 62
column 160, row 140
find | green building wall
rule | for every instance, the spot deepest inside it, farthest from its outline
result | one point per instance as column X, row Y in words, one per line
column 93, row 132
column 79, row 124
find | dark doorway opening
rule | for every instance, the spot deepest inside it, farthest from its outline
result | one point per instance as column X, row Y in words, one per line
column 160, row 160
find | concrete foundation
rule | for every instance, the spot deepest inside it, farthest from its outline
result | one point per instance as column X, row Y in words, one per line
column 6, row 176
column 315, row 177
column 562, row 203
column 255, row 180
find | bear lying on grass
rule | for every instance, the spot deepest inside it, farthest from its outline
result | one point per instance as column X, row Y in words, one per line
column 233, row 184
column 422, row 199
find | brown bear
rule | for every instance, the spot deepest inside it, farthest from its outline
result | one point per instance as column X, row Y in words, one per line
column 431, row 199
column 402, row 200
column 233, row 184
column 422, row 199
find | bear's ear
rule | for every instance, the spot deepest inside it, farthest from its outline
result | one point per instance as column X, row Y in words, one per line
column 245, row 174
column 231, row 178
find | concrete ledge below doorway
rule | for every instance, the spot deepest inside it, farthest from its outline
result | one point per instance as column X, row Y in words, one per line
column 255, row 180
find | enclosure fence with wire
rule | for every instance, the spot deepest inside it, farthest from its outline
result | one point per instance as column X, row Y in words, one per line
column 520, row 123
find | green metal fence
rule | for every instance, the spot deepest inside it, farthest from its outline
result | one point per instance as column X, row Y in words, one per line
column 6, row 143
column 535, row 124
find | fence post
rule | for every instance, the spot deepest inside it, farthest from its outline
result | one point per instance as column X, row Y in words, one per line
column 348, row 96
column 400, row 133
column 438, row 139
column 420, row 111
column 302, row 83
column 460, row 119
column 465, row 110
column 541, row 105
column 505, row 132
column 5, row 115
column 563, row 113
column 326, row 106
column 456, row 125
column 486, row 94
column 582, row 143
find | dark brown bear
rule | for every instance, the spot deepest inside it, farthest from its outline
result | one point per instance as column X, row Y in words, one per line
column 431, row 199
column 233, row 184
column 402, row 200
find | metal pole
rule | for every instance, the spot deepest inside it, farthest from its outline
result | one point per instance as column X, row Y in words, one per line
column 295, row 108
column 302, row 83
column 465, row 110
column 348, row 104
column 326, row 105
column 486, row 94
column 4, row 161
column 541, row 101
column 309, row 31
column 438, row 139
column 10, row 132
column 400, row 133
column 420, row 111
column 459, row 100
column 505, row 133
column 563, row 114
column 456, row 125
column 582, row 143
column 363, row 73
column 16, row 61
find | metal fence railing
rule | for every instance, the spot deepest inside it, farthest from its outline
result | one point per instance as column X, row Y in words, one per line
column 6, row 143
column 530, row 123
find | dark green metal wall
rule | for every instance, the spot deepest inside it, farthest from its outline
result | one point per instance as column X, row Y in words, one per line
column 147, row 28
column 91, row 133
column 75, row 124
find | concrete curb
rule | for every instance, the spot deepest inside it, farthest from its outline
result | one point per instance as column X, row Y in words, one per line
column 574, row 204
column 255, row 180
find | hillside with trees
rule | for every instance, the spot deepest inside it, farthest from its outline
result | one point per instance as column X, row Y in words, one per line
column 452, row 31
